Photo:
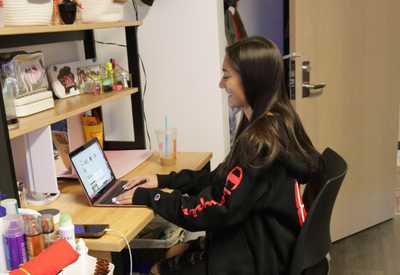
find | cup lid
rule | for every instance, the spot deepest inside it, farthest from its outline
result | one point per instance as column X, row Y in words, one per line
column 65, row 220
column 169, row 131
column 13, row 225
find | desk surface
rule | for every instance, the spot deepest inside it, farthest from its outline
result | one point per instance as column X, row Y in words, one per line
column 128, row 220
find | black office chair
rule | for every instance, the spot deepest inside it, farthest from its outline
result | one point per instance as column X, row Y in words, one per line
column 314, row 241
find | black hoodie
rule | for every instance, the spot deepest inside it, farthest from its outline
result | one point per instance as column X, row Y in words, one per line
column 254, row 215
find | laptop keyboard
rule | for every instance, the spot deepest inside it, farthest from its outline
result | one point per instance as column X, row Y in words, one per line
column 118, row 190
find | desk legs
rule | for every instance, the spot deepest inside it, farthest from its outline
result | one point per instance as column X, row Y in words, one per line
column 121, row 262
column 207, row 167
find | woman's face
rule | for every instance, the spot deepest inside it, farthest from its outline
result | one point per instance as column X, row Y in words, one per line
column 232, row 83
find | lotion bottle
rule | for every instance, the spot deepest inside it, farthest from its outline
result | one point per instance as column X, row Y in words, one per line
column 3, row 258
column 33, row 236
column 66, row 229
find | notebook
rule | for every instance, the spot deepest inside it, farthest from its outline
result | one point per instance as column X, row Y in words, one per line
column 95, row 174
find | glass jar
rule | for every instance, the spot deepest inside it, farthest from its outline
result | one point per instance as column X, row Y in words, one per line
column 55, row 19
column 78, row 17
column 22, row 194
column 9, row 90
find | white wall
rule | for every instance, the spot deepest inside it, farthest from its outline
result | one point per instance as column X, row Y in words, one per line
column 56, row 53
column 182, row 46
column 263, row 17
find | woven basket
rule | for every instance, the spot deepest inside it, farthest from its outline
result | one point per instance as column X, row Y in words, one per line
column 27, row 12
column 97, row 11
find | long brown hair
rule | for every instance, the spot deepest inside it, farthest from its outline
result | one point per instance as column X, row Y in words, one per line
column 259, row 63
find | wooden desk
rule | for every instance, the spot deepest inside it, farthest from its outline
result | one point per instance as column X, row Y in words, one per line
column 128, row 220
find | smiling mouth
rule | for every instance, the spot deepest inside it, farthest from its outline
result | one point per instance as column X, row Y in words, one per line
column 229, row 95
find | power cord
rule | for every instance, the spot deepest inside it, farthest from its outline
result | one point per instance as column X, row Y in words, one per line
column 144, row 93
column 127, row 243
column 106, row 43
column 144, row 90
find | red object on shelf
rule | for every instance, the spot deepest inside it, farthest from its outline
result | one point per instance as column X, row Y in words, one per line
column 51, row 261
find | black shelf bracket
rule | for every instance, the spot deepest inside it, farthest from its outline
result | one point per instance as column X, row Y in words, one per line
column 19, row 40
column 136, row 98
column 89, row 45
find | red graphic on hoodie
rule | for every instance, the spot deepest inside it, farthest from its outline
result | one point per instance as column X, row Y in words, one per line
column 231, row 178
column 301, row 211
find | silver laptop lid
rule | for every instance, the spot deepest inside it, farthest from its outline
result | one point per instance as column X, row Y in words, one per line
column 93, row 169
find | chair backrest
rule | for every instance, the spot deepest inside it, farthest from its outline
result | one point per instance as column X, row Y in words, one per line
column 314, row 239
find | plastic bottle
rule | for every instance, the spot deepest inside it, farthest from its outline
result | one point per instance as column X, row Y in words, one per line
column 10, row 205
column 33, row 236
column 66, row 229
column 81, row 248
column 14, row 241
column 1, row 14
column 55, row 19
column 3, row 258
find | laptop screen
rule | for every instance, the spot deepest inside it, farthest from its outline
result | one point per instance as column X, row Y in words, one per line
column 92, row 168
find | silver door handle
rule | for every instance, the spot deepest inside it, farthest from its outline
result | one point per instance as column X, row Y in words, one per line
column 306, row 86
column 314, row 86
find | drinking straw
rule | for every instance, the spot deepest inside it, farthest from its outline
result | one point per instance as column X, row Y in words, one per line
column 166, row 137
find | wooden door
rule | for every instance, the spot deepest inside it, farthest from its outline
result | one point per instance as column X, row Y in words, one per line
column 353, row 46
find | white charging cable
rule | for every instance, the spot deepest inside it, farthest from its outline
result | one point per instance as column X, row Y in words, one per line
column 127, row 243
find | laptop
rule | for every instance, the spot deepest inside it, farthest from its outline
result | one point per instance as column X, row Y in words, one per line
column 95, row 174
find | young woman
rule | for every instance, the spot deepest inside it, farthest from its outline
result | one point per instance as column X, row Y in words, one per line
column 251, row 205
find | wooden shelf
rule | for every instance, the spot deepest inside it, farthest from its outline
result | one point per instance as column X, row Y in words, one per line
column 65, row 108
column 64, row 28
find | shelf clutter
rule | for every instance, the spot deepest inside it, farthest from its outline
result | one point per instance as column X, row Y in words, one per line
column 28, row 17
column 25, row 85
column 103, row 78
column 87, row 77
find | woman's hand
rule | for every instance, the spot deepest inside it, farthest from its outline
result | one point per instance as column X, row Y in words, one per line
column 125, row 198
column 144, row 181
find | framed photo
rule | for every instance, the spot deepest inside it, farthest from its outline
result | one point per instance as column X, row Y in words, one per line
column 65, row 79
